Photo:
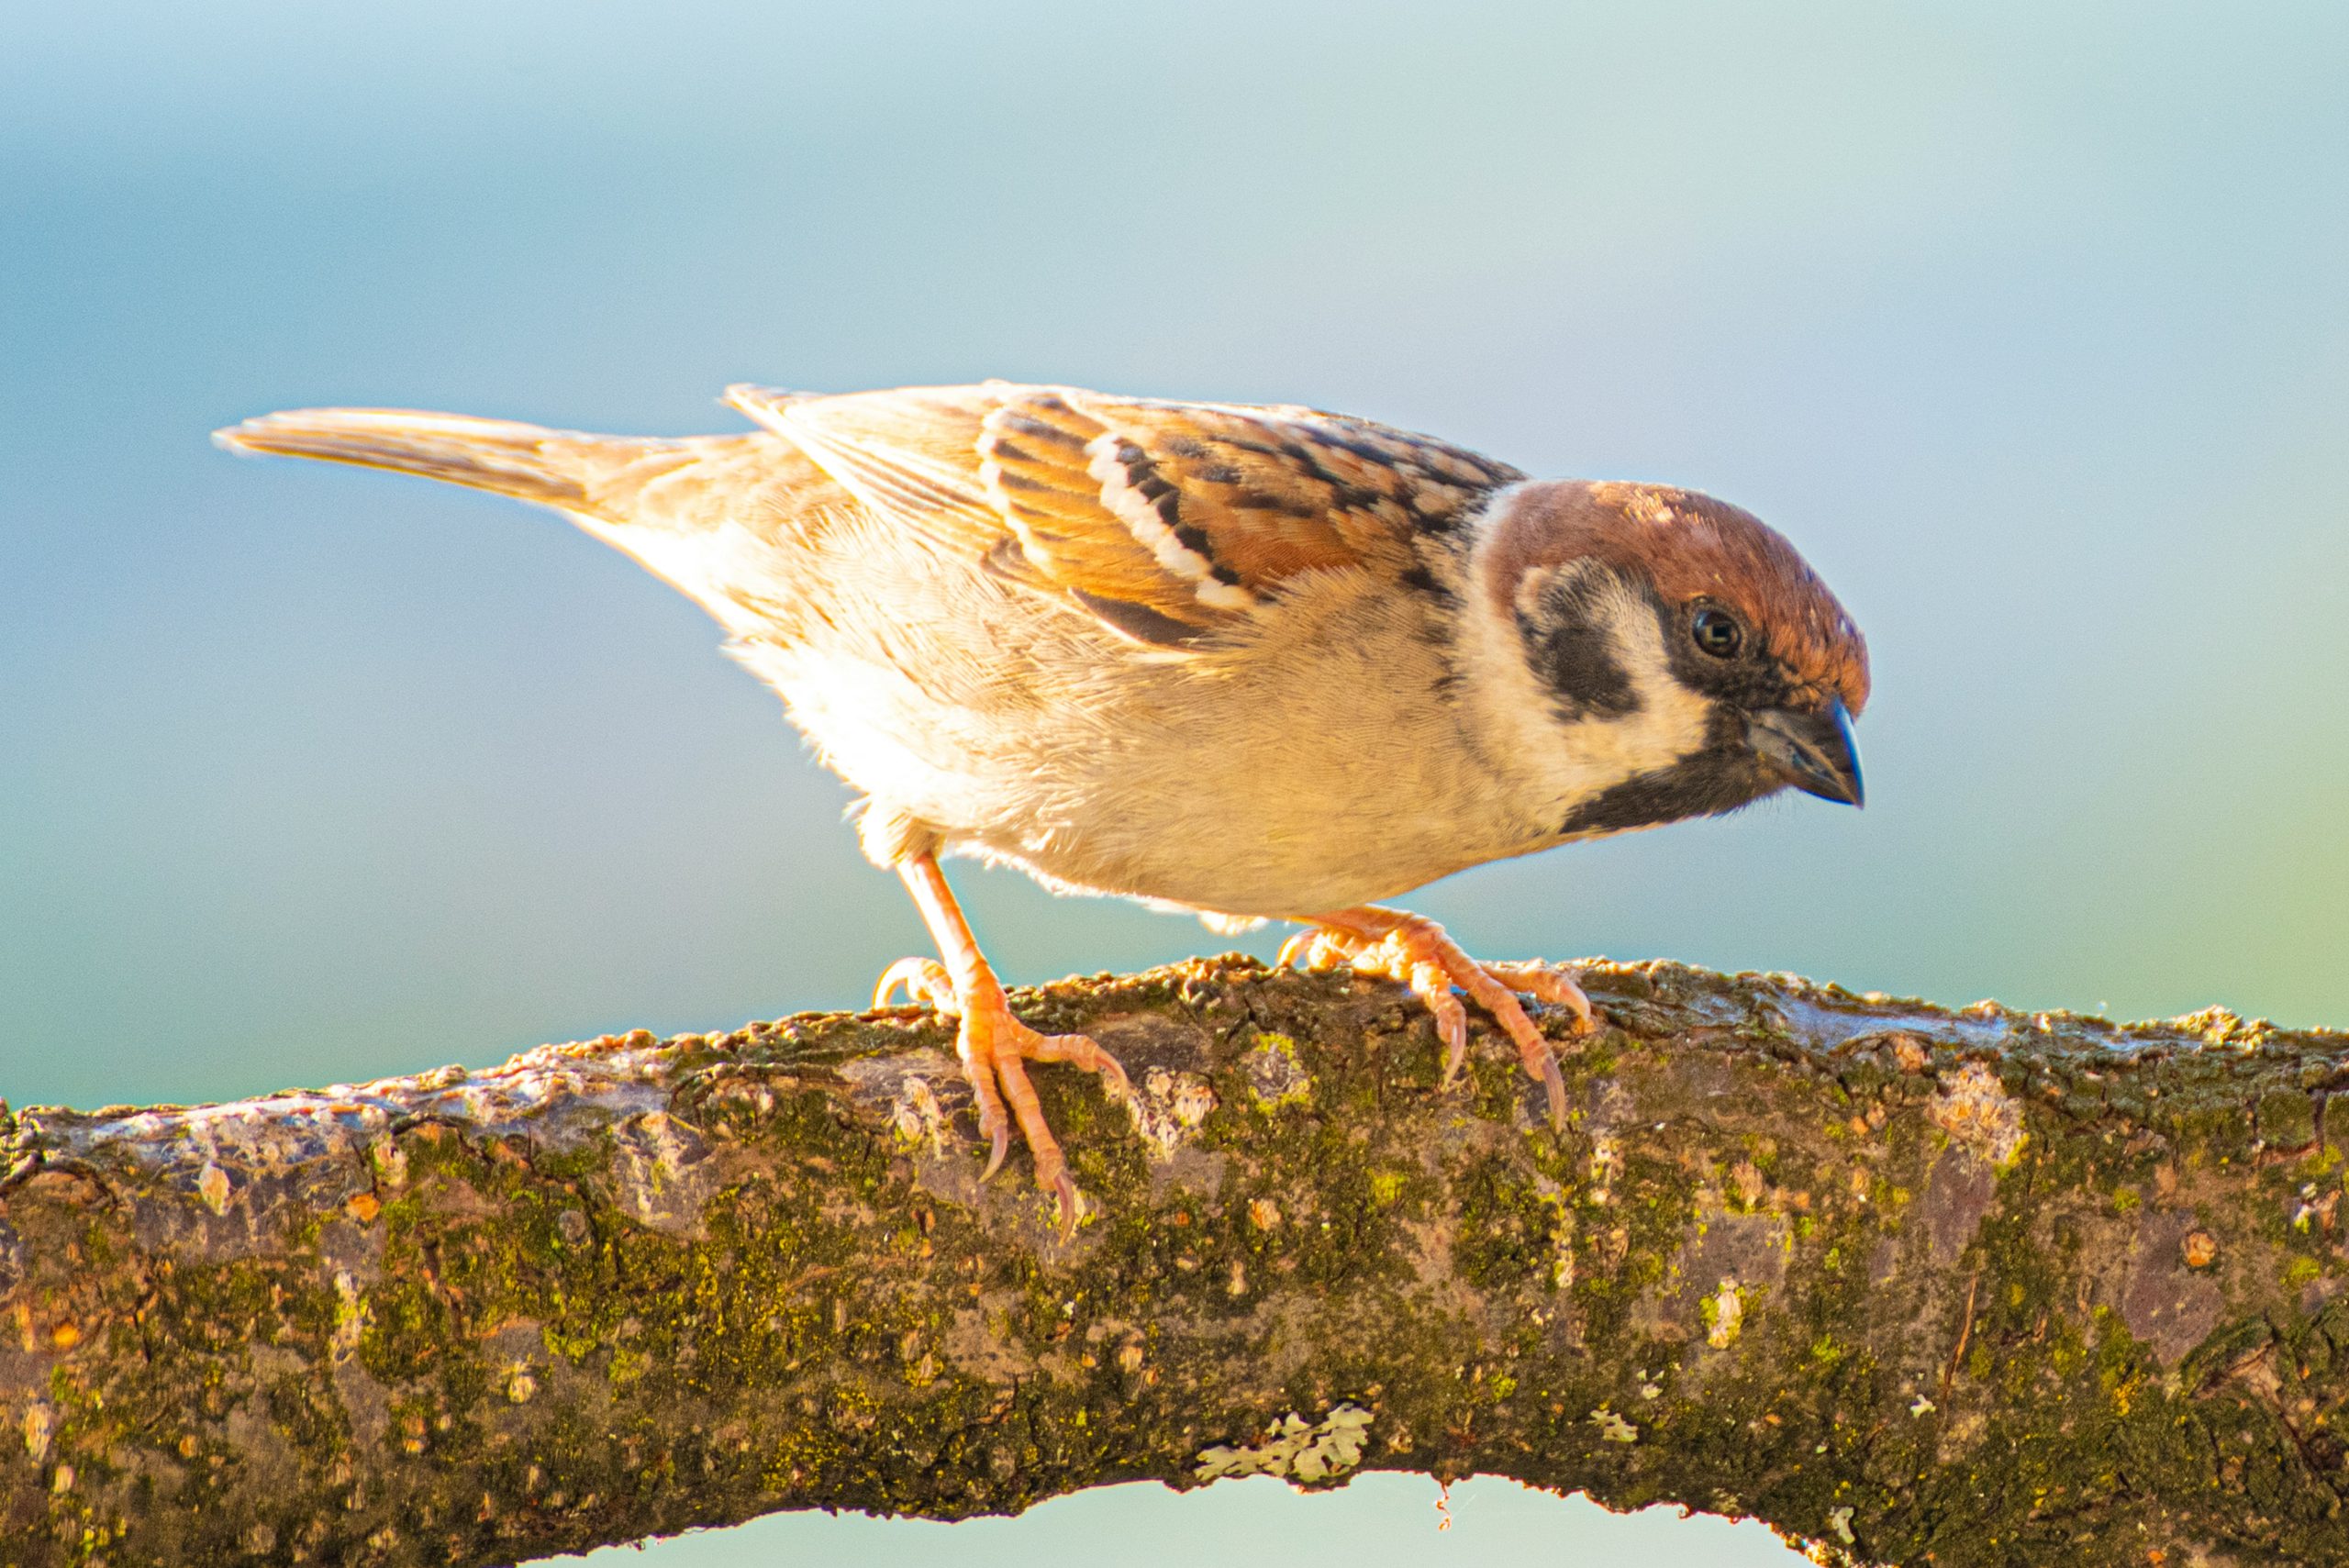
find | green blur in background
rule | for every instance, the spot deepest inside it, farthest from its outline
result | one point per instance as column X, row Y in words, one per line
column 2029, row 324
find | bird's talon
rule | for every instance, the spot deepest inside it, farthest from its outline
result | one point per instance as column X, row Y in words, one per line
column 1554, row 1083
column 1451, row 1027
column 1113, row 1078
column 926, row 982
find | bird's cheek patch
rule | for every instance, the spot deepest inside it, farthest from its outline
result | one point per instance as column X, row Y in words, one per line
column 1572, row 643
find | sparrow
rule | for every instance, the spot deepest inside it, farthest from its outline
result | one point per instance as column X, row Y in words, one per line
column 1253, row 662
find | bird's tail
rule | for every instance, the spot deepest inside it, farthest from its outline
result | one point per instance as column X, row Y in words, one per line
column 563, row 469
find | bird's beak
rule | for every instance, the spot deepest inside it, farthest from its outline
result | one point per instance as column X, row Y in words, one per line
column 1812, row 751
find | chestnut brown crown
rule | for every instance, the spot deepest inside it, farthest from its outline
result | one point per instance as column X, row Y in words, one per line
column 1696, row 551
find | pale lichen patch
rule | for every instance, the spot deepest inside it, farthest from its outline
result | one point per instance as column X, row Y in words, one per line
column 2218, row 1026
column 1978, row 1113
column 1724, row 1314
column 1274, row 1076
column 391, row 1163
column 212, row 1186
column 660, row 1170
column 1605, row 1166
column 1613, row 1428
column 40, row 1425
column 916, row 1115
column 1168, row 1108
column 349, row 1319
column 1297, row 1450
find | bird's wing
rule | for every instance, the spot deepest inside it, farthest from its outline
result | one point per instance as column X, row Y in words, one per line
column 1166, row 521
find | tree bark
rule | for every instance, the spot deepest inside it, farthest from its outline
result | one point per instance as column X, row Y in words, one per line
column 1909, row 1285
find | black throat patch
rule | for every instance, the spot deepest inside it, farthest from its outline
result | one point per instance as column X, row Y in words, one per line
column 1716, row 780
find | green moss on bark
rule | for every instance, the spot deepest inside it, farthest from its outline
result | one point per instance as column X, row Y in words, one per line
column 1910, row 1284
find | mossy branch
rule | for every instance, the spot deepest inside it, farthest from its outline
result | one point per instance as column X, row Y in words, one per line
column 1967, row 1289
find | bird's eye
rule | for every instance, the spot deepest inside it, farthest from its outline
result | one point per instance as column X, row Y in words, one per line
column 1718, row 633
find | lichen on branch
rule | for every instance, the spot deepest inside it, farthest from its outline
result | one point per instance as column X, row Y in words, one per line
column 1969, row 1287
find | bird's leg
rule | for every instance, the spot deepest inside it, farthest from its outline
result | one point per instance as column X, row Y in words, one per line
column 995, row 1047
column 1415, row 952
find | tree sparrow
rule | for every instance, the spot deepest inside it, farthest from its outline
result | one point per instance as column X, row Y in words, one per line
column 1256, row 662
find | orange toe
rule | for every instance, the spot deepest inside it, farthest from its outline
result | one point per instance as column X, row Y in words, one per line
column 926, row 982
column 1416, row 952
column 996, row 1049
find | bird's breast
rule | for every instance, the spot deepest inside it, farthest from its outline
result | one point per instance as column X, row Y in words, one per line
column 1314, row 762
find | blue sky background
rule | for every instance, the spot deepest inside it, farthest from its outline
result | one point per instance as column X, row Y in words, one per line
column 2030, row 324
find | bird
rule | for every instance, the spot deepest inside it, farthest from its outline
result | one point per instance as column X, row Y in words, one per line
column 1252, row 661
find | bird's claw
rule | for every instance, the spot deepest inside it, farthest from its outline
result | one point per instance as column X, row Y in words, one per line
column 994, row 1048
column 1416, row 952
column 927, row 984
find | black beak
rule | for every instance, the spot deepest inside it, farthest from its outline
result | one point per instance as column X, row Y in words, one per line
column 1812, row 751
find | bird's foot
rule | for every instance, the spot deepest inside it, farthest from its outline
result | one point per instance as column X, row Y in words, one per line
column 1415, row 952
column 994, row 1048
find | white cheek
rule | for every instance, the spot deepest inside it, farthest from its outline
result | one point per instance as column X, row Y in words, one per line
column 1559, row 766
column 1670, row 723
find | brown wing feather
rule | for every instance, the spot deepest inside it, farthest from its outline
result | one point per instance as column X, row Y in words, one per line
column 903, row 453
column 1164, row 520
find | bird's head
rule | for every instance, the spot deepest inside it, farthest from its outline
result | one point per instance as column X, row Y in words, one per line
column 1665, row 655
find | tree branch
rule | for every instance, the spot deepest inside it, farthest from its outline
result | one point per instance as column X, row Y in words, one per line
column 1967, row 1287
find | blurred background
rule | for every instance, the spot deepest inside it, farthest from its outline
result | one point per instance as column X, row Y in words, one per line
column 2031, row 326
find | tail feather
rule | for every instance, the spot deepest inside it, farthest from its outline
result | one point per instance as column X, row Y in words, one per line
column 556, row 467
